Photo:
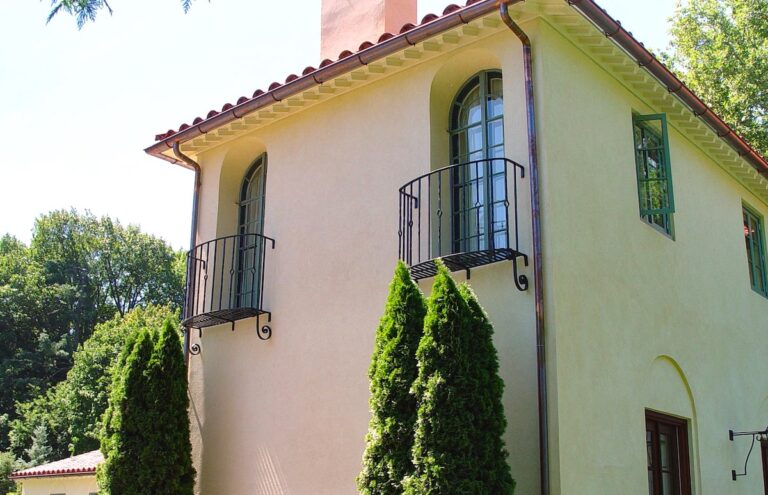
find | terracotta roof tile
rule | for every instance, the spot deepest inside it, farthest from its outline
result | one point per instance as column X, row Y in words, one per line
column 758, row 161
column 77, row 465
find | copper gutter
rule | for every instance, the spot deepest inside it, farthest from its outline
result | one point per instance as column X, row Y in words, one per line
column 533, row 173
column 613, row 30
column 324, row 74
column 193, row 165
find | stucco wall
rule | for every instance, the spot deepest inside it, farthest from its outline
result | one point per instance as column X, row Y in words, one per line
column 65, row 485
column 638, row 320
column 289, row 416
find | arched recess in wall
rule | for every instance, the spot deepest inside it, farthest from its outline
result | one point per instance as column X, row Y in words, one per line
column 239, row 157
column 448, row 81
column 669, row 392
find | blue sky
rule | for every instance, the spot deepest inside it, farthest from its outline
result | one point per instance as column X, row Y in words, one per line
column 77, row 108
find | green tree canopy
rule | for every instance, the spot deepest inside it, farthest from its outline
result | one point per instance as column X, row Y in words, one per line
column 86, row 10
column 73, row 410
column 387, row 458
column 720, row 48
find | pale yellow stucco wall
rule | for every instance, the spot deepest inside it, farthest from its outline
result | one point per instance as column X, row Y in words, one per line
column 64, row 485
column 289, row 416
column 637, row 320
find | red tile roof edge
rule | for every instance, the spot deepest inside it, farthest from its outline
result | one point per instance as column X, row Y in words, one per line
column 53, row 473
column 79, row 465
column 430, row 25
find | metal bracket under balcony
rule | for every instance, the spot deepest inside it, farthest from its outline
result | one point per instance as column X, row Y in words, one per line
column 225, row 281
column 464, row 214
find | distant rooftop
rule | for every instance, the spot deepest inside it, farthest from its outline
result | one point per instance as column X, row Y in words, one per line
column 82, row 464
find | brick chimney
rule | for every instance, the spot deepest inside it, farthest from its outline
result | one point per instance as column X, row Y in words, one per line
column 347, row 23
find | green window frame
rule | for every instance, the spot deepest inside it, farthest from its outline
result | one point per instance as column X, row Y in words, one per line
column 754, row 237
column 654, row 175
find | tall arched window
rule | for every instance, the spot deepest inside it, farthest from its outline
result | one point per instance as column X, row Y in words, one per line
column 251, row 220
column 479, row 186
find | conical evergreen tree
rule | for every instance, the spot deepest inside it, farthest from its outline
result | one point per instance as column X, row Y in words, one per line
column 172, row 471
column 146, row 428
column 126, row 422
column 393, row 369
column 489, row 422
column 442, row 451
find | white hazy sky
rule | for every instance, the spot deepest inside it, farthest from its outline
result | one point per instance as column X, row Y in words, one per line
column 77, row 108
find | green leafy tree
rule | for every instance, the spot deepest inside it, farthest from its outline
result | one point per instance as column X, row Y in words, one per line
column 73, row 410
column 109, row 268
column 489, row 421
column 443, row 464
column 387, row 458
column 33, row 331
column 8, row 464
column 720, row 48
column 86, row 10
column 146, row 441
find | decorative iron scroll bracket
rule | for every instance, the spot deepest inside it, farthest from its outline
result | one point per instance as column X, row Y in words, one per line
column 521, row 281
column 265, row 332
column 756, row 435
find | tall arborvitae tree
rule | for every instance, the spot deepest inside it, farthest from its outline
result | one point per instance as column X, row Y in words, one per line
column 443, row 444
column 146, row 428
column 488, row 411
column 126, row 423
column 168, row 440
column 387, row 457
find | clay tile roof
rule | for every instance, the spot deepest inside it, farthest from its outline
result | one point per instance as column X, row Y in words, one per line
column 82, row 464
column 587, row 8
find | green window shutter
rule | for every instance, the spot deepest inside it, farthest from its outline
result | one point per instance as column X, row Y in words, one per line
column 654, row 175
column 755, row 242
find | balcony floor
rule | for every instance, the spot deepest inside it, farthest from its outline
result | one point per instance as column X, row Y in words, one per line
column 221, row 316
column 464, row 261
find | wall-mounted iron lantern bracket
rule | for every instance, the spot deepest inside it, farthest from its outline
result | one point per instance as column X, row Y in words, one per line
column 756, row 435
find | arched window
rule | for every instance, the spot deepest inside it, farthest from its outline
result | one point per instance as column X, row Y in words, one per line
column 250, row 228
column 479, row 219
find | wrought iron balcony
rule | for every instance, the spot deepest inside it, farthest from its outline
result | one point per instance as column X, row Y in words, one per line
column 464, row 214
column 225, row 281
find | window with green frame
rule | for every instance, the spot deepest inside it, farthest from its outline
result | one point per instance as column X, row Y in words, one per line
column 654, row 177
column 754, row 237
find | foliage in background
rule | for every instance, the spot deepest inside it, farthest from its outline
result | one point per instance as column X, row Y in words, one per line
column 387, row 457
column 145, row 439
column 78, row 271
column 86, row 10
column 720, row 48
column 486, row 392
column 72, row 411
column 8, row 464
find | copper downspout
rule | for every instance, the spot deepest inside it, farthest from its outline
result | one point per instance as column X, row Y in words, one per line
column 533, row 165
column 193, row 165
column 613, row 30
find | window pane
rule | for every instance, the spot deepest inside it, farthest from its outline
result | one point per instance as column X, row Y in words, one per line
column 653, row 173
column 495, row 133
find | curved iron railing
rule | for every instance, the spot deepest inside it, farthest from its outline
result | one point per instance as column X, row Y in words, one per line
column 465, row 214
column 225, row 280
